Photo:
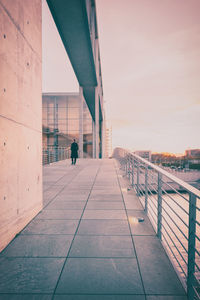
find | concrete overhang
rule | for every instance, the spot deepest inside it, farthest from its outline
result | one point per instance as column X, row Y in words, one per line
column 71, row 19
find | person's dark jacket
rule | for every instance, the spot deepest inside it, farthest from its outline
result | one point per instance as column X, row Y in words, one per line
column 74, row 150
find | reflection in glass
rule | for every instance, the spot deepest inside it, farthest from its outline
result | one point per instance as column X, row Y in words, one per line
column 73, row 112
column 61, row 121
column 73, row 124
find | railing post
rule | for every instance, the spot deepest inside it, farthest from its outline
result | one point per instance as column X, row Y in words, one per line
column 129, row 168
column 54, row 154
column 138, row 178
column 42, row 156
column 191, row 246
column 48, row 156
column 159, row 213
column 146, row 189
column 132, row 171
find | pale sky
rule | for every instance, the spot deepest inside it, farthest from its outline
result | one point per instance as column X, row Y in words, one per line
column 151, row 71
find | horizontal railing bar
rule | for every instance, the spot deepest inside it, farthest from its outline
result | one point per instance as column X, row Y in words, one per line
column 183, row 209
column 197, row 294
column 141, row 193
column 149, row 212
column 174, row 245
column 153, row 188
column 176, row 191
column 197, row 252
column 151, row 194
column 175, row 214
column 153, row 202
column 197, row 238
column 140, row 189
column 197, row 223
column 197, row 267
column 153, row 212
column 197, row 208
column 175, row 235
column 149, row 204
column 139, row 186
column 174, row 256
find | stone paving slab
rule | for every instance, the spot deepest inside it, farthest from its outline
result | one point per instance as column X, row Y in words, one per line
column 70, row 205
column 140, row 228
column 39, row 246
column 154, row 263
column 29, row 275
column 102, row 246
column 164, row 297
column 106, row 190
column 85, row 244
column 104, row 214
column 105, row 205
column 51, row 227
column 58, row 214
column 71, row 197
column 25, row 297
column 99, row 297
column 100, row 276
column 131, row 204
column 104, row 227
column 105, row 197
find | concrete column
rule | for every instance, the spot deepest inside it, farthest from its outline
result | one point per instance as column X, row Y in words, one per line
column 93, row 140
column 81, row 123
column 20, row 115
column 103, row 136
column 96, row 128
column 97, row 122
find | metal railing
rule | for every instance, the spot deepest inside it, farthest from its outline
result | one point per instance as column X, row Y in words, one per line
column 173, row 206
column 52, row 154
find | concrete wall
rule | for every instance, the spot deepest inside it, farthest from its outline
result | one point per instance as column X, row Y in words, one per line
column 20, row 115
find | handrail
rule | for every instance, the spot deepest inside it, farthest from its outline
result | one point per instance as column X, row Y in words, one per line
column 182, row 183
column 52, row 154
column 172, row 211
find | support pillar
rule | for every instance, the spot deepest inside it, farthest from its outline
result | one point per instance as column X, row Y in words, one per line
column 96, row 126
column 81, row 123
column 93, row 140
column 103, row 135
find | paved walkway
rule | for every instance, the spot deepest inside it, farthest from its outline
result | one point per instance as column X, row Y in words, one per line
column 87, row 243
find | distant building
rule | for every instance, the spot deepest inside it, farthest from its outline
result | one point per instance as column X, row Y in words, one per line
column 192, row 159
column 194, row 153
column 108, row 141
column 144, row 154
column 119, row 153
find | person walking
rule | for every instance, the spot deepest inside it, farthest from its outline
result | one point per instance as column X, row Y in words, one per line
column 74, row 152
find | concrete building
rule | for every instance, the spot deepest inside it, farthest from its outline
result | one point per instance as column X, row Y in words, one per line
column 20, row 115
column 146, row 154
column 194, row 153
column 77, row 25
column 108, row 141
column 21, row 98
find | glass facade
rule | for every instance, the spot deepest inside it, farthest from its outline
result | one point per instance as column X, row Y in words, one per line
column 62, row 117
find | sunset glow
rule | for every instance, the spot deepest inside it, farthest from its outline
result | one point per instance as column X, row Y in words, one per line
column 151, row 71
